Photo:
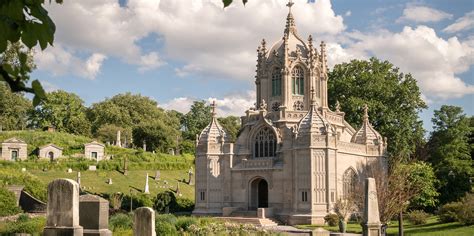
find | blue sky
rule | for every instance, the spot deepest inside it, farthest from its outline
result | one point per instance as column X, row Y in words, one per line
column 177, row 51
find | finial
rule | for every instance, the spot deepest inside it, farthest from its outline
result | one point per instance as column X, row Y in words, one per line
column 310, row 39
column 338, row 106
column 290, row 21
column 313, row 96
column 213, row 107
column 289, row 5
column 366, row 112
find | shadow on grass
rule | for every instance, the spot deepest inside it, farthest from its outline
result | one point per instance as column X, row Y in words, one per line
column 427, row 229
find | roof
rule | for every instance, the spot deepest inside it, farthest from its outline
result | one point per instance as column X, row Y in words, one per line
column 14, row 140
column 51, row 145
column 366, row 134
column 94, row 143
column 313, row 121
column 214, row 131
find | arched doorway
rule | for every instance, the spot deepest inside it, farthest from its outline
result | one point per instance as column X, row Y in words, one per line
column 258, row 194
column 51, row 156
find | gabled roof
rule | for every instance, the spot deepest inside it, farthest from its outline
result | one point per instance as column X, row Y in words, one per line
column 213, row 132
column 94, row 143
column 51, row 145
column 313, row 121
column 14, row 140
column 367, row 134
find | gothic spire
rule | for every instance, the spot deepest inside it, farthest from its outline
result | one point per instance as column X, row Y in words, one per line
column 290, row 21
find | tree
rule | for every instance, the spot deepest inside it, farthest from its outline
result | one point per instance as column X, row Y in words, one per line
column 450, row 151
column 65, row 111
column 231, row 125
column 196, row 119
column 393, row 98
column 108, row 133
column 14, row 109
column 26, row 21
column 156, row 134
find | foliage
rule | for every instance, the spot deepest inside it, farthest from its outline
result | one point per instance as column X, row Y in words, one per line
column 331, row 219
column 231, row 125
column 164, row 200
column 8, row 203
column 417, row 217
column 165, row 228
column 26, row 225
column 183, row 223
column 28, row 22
column 466, row 213
column 422, row 175
column 196, row 119
column 450, row 152
column 108, row 133
column 156, row 134
column 115, row 200
column 393, row 98
column 183, row 205
column 168, row 218
column 449, row 211
column 32, row 184
column 344, row 208
column 120, row 221
column 64, row 111
column 14, row 109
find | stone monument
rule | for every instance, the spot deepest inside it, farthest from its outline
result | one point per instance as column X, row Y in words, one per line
column 371, row 224
column 79, row 178
column 109, row 181
column 144, row 146
column 63, row 209
column 94, row 215
column 157, row 175
column 125, row 166
column 119, row 140
column 147, row 188
column 190, row 173
column 144, row 222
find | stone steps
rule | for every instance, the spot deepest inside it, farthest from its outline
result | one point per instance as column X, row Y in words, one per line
column 250, row 220
column 244, row 214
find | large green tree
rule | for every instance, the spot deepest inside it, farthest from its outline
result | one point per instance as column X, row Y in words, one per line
column 156, row 134
column 196, row 119
column 394, row 101
column 65, row 111
column 231, row 125
column 14, row 109
column 450, row 150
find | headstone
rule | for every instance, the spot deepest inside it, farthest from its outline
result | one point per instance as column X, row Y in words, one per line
column 23, row 169
column 109, row 181
column 94, row 215
column 93, row 168
column 177, row 189
column 144, row 146
column 190, row 180
column 157, row 175
column 78, row 178
column 125, row 166
column 147, row 189
column 119, row 140
column 69, row 170
column 144, row 222
column 63, row 209
column 371, row 224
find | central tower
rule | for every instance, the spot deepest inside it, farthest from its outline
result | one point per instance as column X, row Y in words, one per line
column 289, row 69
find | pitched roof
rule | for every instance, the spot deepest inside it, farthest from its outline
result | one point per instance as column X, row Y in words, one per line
column 14, row 140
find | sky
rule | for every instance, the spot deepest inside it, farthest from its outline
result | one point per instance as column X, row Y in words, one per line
column 178, row 51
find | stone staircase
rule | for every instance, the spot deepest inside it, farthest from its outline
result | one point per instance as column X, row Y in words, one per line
column 249, row 217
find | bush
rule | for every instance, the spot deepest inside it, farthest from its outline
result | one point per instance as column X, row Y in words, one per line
column 8, row 203
column 466, row 213
column 165, row 228
column 163, row 200
column 417, row 217
column 183, row 204
column 168, row 218
column 26, row 225
column 332, row 219
column 183, row 223
column 32, row 184
column 449, row 212
column 120, row 221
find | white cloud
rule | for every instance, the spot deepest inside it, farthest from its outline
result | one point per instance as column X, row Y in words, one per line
column 433, row 61
column 231, row 104
column 464, row 23
column 60, row 61
column 423, row 14
column 348, row 13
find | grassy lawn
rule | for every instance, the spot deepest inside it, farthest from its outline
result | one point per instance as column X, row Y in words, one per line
column 431, row 228
column 96, row 181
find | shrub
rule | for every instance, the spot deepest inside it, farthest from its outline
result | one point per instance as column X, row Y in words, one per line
column 169, row 218
column 183, row 204
column 26, row 225
column 165, row 228
column 449, row 212
column 8, row 203
column 32, row 184
column 417, row 217
column 332, row 219
column 120, row 221
column 466, row 213
column 183, row 223
column 163, row 200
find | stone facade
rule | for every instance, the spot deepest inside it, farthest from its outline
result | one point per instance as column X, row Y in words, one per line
column 94, row 150
column 14, row 149
column 50, row 151
column 293, row 154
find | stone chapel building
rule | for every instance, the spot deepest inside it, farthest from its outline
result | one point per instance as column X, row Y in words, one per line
column 293, row 154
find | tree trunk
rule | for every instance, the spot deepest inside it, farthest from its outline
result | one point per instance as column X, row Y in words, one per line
column 400, row 224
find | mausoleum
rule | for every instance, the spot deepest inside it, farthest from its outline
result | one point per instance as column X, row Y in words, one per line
column 14, row 149
column 94, row 150
column 293, row 155
column 50, row 151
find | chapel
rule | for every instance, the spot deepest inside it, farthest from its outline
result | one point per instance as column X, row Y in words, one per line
column 293, row 155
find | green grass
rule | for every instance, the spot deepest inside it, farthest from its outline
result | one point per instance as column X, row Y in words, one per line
column 96, row 181
column 432, row 228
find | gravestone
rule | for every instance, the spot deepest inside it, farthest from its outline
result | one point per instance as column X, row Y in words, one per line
column 78, row 180
column 144, row 222
column 109, row 181
column 177, row 189
column 125, row 166
column 119, row 139
column 94, row 215
column 144, row 146
column 371, row 224
column 93, row 168
column 69, row 170
column 63, row 209
column 147, row 188
column 157, row 175
column 190, row 180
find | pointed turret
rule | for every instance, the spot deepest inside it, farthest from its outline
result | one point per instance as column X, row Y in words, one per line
column 213, row 133
column 290, row 26
column 314, row 122
column 367, row 134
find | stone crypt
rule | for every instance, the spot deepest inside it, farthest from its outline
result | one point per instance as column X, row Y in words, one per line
column 293, row 157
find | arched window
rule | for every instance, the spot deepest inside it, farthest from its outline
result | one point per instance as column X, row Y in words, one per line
column 265, row 143
column 297, row 76
column 276, row 82
column 349, row 180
